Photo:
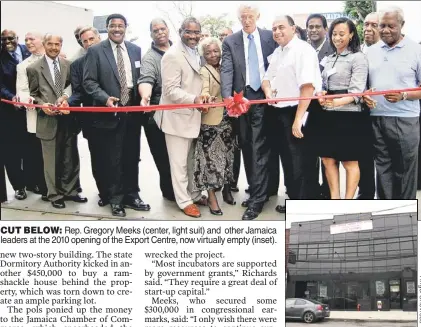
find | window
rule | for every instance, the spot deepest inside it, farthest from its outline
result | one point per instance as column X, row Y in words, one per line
column 289, row 302
column 300, row 302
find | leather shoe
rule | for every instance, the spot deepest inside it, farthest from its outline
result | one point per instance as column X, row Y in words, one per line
column 137, row 204
column 203, row 201
column 77, row 198
column 59, row 204
column 250, row 214
column 217, row 212
column 245, row 203
column 227, row 196
column 20, row 194
column 280, row 208
column 34, row 189
column 103, row 202
column 192, row 210
column 118, row 210
column 45, row 198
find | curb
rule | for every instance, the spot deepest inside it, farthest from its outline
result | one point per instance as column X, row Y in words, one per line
column 371, row 320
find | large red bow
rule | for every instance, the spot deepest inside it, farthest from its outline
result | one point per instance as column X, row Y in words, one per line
column 237, row 105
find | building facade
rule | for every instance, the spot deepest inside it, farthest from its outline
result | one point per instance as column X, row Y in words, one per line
column 370, row 269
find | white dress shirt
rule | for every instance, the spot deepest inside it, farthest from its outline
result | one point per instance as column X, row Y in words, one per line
column 127, row 63
column 22, row 90
column 193, row 53
column 50, row 63
column 291, row 67
column 256, row 36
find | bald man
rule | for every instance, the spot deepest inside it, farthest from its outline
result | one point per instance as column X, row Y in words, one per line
column 13, row 122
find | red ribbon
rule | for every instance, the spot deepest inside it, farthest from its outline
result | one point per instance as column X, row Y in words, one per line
column 236, row 105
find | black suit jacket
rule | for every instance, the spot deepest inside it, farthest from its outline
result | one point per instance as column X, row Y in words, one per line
column 233, row 65
column 8, row 81
column 101, row 80
column 325, row 51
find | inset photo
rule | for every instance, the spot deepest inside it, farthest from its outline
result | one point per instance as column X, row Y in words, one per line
column 351, row 262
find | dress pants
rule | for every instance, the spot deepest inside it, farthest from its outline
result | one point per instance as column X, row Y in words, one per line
column 272, row 126
column 3, row 188
column 396, row 142
column 367, row 187
column 115, row 154
column 158, row 148
column 61, row 161
column 181, row 156
column 256, row 149
column 34, row 164
column 13, row 138
column 295, row 156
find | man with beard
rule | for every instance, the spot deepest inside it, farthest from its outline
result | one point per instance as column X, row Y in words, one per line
column 395, row 63
column 34, row 169
column 181, row 84
column 244, row 63
column 13, row 136
column 110, row 74
column 48, row 78
column 150, row 89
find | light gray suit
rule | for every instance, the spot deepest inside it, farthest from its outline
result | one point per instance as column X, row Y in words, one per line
column 58, row 134
column 181, row 83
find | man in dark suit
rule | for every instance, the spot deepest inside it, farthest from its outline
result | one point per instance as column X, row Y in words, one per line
column 88, row 36
column 110, row 75
column 48, row 77
column 244, row 62
column 13, row 136
column 317, row 29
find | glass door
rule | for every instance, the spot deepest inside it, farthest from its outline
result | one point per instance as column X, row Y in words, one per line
column 395, row 294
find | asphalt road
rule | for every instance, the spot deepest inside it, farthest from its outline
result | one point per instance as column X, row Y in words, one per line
column 336, row 323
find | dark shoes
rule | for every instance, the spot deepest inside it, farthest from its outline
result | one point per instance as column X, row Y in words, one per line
column 280, row 209
column 45, row 198
column 250, row 214
column 59, row 204
column 217, row 212
column 76, row 198
column 34, row 189
column 118, row 210
column 227, row 196
column 137, row 204
column 103, row 202
column 245, row 203
column 20, row 194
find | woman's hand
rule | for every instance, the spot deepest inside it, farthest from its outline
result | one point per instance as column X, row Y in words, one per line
column 296, row 129
column 322, row 101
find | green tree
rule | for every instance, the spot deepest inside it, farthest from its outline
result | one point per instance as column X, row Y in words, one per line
column 215, row 24
column 357, row 10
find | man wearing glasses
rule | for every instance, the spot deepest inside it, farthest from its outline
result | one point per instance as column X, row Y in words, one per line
column 13, row 135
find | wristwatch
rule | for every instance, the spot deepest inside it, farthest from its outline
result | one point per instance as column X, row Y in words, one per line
column 404, row 96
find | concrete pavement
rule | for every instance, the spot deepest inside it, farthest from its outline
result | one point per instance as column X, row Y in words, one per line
column 34, row 209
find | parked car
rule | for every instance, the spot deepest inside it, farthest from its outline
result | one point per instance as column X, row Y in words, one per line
column 305, row 309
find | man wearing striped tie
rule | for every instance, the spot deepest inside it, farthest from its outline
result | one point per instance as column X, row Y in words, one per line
column 49, row 85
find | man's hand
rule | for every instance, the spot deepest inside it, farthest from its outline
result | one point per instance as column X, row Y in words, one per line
column 64, row 104
column 60, row 100
column 111, row 102
column 46, row 108
column 270, row 94
column 145, row 101
column 369, row 101
column 393, row 97
column 16, row 98
column 296, row 129
column 31, row 101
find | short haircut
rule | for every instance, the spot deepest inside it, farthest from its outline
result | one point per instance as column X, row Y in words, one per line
column 36, row 34
column 188, row 21
column 393, row 10
column 48, row 36
column 374, row 13
column 249, row 6
column 156, row 21
column 318, row 16
column 88, row 28
column 208, row 41
column 287, row 17
column 301, row 32
column 354, row 44
column 77, row 30
column 116, row 16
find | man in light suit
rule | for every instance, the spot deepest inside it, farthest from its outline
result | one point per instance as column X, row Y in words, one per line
column 181, row 84
column 244, row 63
column 48, row 78
column 110, row 74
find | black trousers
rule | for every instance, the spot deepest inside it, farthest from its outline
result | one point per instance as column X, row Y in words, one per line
column 294, row 155
column 272, row 126
column 367, row 186
column 158, row 148
column 34, row 164
column 235, row 123
column 256, row 149
column 115, row 157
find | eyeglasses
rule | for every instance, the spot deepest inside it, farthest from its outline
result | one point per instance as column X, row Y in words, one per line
column 192, row 32
column 314, row 27
column 8, row 38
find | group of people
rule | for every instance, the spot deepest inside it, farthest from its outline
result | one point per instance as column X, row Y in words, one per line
column 200, row 149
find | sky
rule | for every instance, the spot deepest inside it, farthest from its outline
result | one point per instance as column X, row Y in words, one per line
column 306, row 210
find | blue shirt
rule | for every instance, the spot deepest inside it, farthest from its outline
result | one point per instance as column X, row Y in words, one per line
column 394, row 68
column 19, row 54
